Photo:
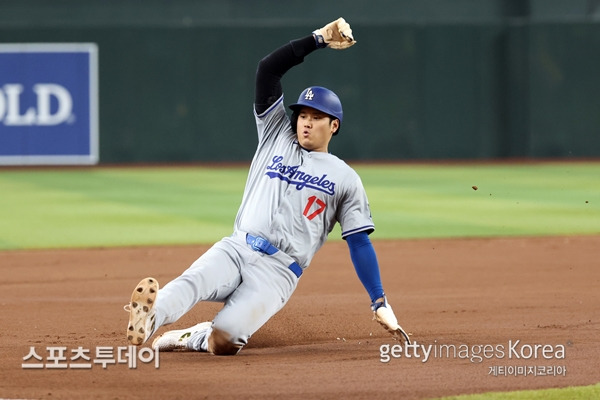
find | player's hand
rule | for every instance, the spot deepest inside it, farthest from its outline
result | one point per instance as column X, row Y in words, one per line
column 336, row 35
column 383, row 313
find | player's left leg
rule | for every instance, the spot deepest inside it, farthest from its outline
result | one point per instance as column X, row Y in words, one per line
column 267, row 284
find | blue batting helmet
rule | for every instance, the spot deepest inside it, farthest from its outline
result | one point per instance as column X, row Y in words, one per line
column 321, row 99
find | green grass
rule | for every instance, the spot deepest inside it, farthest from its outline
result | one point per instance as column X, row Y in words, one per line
column 571, row 393
column 117, row 206
column 439, row 201
column 100, row 206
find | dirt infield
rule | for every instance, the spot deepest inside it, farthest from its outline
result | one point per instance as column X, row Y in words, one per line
column 502, row 296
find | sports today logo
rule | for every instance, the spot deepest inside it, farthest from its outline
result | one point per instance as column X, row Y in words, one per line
column 474, row 353
column 53, row 105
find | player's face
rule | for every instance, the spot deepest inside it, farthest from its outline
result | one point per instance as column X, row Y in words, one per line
column 315, row 129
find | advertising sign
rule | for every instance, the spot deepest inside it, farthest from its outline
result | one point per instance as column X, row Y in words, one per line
column 48, row 103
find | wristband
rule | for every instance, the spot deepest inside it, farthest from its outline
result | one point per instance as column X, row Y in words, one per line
column 378, row 304
column 319, row 40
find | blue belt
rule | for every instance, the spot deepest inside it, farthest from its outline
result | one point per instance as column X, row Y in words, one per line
column 262, row 245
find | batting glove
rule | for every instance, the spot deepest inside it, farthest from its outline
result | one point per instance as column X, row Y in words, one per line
column 383, row 313
column 336, row 35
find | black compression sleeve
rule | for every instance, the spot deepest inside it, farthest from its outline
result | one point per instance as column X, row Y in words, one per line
column 272, row 68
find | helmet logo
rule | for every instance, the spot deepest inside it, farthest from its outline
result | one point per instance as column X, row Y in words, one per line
column 309, row 95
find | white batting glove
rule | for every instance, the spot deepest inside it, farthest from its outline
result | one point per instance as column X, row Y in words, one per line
column 336, row 35
column 383, row 313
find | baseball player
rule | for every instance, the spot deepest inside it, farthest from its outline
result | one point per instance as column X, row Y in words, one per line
column 295, row 193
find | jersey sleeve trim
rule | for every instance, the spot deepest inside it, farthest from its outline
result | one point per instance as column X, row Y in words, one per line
column 368, row 228
column 268, row 110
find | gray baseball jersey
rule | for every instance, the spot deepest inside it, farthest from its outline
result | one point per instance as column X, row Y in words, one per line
column 294, row 197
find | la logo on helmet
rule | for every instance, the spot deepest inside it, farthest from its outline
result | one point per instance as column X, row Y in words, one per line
column 309, row 95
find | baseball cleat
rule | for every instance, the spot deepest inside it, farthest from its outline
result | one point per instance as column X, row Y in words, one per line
column 178, row 339
column 141, row 311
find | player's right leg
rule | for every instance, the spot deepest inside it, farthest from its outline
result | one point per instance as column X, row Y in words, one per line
column 267, row 284
column 211, row 277
column 141, row 311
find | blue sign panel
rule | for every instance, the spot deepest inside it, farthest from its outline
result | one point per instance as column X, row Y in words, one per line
column 48, row 104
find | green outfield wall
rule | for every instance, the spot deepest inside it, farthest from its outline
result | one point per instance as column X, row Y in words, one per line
column 463, row 79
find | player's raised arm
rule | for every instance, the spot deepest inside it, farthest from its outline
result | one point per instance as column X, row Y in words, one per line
column 336, row 35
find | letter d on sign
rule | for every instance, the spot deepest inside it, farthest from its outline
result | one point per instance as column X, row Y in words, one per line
column 44, row 92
